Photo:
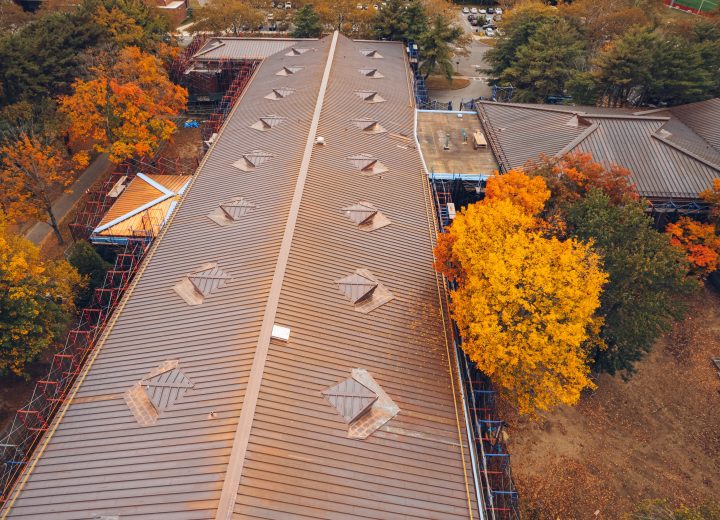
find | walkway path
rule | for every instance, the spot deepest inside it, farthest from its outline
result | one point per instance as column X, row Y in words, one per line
column 65, row 203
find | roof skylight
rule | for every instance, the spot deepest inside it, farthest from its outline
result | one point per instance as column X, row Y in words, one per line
column 367, row 164
column 280, row 93
column 249, row 161
column 370, row 96
column 267, row 122
column 371, row 73
column 201, row 283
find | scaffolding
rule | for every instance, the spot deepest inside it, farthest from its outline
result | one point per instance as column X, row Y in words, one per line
column 500, row 497
column 34, row 419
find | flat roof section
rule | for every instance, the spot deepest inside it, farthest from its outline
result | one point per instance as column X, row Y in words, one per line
column 436, row 130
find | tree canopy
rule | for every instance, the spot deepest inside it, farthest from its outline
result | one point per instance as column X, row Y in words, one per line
column 648, row 277
column 127, row 109
column 219, row 16
column 36, row 301
column 524, row 303
column 307, row 23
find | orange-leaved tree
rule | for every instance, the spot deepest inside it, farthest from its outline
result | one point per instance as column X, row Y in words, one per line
column 573, row 175
column 699, row 241
column 524, row 304
column 31, row 167
column 530, row 193
column 128, row 109
column 36, row 301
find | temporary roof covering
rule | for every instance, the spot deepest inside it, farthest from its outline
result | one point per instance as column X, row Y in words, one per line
column 252, row 435
column 142, row 207
column 667, row 158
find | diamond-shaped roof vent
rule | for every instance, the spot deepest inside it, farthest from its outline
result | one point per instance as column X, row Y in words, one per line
column 201, row 283
column 370, row 96
column 295, row 51
column 288, row 71
column 231, row 211
column 367, row 164
column 369, row 126
column 371, row 53
column 249, row 161
column 371, row 73
column 366, row 216
column 280, row 93
column 267, row 122
column 350, row 398
column 357, row 287
column 166, row 388
column 364, row 291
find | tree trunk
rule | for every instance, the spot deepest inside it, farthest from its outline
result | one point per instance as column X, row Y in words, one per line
column 55, row 225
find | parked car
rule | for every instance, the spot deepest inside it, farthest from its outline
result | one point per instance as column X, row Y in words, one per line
column 471, row 17
column 490, row 10
column 489, row 32
column 465, row 10
column 376, row 7
column 273, row 27
column 288, row 5
column 498, row 10
column 482, row 11
column 488, row 18
column 473, row 22
column 474, row 10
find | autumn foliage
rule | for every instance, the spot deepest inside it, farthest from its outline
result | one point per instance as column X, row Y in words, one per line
column 30, row 167
column 36, row 301
column 127, row 110
column 699, row 241
column 530, row 193
column 524, row 304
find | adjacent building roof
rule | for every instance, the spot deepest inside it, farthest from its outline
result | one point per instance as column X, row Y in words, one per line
column 142, row 207
column 225, row 47
column 666, row 150
column 246, row 427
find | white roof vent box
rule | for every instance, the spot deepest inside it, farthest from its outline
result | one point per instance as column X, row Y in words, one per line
column 280, row 333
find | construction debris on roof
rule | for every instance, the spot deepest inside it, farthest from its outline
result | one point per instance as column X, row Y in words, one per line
column 141, row 209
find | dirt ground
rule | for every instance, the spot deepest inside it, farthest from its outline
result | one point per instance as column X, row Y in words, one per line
column 655, row 436
column 442, row 83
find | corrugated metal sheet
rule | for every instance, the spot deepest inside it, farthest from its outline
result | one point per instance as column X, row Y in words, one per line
column 248, row 48
column 300, row 462
column 675, row 165
column 100, row 461
column 703, row 118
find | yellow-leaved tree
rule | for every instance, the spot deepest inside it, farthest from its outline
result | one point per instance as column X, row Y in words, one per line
column 128, row 109
column 36, row 301
column 524, row 303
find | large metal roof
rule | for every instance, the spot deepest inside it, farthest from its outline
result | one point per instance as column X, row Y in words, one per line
column 226, row 47
column 666, row 154
column 249, row 433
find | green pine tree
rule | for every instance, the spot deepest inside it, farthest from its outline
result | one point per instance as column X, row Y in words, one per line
column 307, row 23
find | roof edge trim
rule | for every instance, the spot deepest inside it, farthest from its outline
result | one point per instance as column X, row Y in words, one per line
column 680, row 149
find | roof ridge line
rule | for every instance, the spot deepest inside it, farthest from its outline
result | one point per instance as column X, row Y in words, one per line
column 577, row 140
column 687, row 152
column 236, row 460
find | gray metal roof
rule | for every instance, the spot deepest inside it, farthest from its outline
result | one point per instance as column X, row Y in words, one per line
column 666, row 156
column 252, row 435
column 703, row 118
column 222, row 47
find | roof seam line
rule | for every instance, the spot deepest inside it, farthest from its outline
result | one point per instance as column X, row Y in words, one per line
column 236, row 460
column 579, row 139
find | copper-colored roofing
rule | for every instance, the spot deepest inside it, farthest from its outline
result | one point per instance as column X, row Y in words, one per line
column 666, row 157
column 226, row 47
column 254, row 437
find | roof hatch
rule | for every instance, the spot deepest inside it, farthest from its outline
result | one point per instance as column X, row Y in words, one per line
column 201, row 283
column 231, row 211
column 367, row 164
column 267, row 122
column 280, row 93
column 249, row 161
column 371, row 73
column 366, row 216
column 370, row 96
column 364, row 291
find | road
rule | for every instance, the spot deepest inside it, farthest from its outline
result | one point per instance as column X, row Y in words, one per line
column 469, row 67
